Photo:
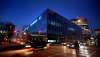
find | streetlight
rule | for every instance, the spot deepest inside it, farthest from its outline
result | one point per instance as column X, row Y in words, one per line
column 24, row 33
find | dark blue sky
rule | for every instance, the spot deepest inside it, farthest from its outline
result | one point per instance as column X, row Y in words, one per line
column 22, row 12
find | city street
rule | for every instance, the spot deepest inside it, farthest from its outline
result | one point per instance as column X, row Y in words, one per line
column 52, row 51
column 49, row 28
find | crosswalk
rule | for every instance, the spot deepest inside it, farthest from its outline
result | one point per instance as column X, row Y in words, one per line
column 86, row 52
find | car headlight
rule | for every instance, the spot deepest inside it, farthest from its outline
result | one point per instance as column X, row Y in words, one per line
column 68, row 45
column 27, row 46
column 72, row 45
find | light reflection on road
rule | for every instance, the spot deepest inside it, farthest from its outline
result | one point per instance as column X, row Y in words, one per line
column 51, row 51
column 19, row 52
column 64, row 49
column 67, row 50
column 83, row 51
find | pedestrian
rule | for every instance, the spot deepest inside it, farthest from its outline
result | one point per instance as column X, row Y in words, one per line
column 76, row 45
column 76, row 48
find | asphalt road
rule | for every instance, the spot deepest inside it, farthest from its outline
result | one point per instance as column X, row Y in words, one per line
column 52, row 51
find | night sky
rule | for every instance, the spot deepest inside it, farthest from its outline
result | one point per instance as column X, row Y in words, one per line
column 23, row 12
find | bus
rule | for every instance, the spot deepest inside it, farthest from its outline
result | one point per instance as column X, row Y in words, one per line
column 37, row 41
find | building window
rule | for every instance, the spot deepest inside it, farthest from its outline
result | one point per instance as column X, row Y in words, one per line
column 54, row 23
column 85, row 26
column 71, row 29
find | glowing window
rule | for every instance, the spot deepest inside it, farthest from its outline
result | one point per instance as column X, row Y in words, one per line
column 51, row 40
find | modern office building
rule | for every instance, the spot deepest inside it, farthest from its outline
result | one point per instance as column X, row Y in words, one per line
column 54, row 27
column 82, row 22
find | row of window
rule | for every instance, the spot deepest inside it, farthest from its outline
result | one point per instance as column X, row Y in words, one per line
column 55, row 23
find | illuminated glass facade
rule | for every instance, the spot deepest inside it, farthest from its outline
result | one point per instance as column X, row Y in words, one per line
column 55, row 27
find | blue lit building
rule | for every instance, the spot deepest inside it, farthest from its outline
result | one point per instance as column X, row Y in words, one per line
column 54, row 27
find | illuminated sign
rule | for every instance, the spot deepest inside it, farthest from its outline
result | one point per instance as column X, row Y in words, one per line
column 39, row 18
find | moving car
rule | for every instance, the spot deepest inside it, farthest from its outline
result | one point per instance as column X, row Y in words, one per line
column 70, row 45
